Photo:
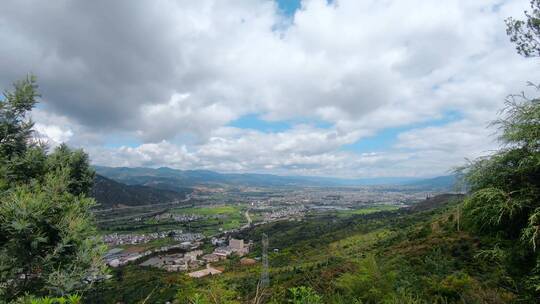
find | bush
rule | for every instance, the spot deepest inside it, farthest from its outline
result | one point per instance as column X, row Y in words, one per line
column 304, row 295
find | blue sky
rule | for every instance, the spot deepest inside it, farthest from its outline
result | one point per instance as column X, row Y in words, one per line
column 289, row 6
column 385, row 139
column 255, row 122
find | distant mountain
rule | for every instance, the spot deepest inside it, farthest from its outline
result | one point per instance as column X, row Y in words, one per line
column 161, row 178
column 109, row 194
column 447, row 183
column 374, row 181
column 178, row 180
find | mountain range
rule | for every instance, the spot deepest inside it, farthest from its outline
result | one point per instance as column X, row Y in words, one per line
column 123, row 186
column 178, row 180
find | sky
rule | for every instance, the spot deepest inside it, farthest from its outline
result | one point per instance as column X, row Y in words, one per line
column 344, row 88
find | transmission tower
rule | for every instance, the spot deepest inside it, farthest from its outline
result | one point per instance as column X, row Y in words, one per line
column 265, row 281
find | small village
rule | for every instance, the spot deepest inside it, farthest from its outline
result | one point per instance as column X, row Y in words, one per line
column 192, row 258
column 180, row 218
column 116, row 239
column 195, row 259
column 287, row 212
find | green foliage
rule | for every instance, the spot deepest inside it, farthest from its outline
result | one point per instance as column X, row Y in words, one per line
column 48, row 241
column 197, row 299
column 304, row 295
column 526, row 34
column 372, row 282
column 531, row 233
column 454, row 286
column 76, row 162
column 217, row 292
column 505, row 187
column 490, row 209
column 495, row 255
column 511, row 177
column 15, row 128
column 70, row 299
column 187, row 291
column 21, row 158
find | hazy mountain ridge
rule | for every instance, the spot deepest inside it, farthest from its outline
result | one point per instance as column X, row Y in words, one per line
column 446, row 182
column 173, row 179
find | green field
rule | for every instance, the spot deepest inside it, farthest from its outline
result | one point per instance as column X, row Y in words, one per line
column 231, row 217
column 367, row 210
column 371, row 209
column 228, row 217
column 222, row 209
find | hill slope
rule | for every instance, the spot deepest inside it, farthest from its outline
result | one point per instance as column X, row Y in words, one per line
column 109, row 194
column 386, row 257
column 436, row 202
column 446, row 182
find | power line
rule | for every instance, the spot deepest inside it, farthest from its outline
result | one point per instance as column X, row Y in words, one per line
column 265, row 280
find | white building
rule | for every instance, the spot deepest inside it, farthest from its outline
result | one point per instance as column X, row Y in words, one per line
column 192, row 255
column 202, row 273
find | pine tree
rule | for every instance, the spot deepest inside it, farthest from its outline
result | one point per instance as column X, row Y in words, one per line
column 48, row 240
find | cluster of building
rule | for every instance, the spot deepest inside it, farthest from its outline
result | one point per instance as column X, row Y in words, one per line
column 188, row 237
column 180, row 218
column 195, row 259
column 351, row 197
column 235, row 246
column 116, row 239
column 133, row 239
column 221, row 241
column 285, row 213
column 118, row 257
column 176, row 262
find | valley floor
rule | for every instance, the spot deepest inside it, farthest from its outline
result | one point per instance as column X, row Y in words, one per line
column 390, row 256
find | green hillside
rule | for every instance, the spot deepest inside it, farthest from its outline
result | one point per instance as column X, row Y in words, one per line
column 385, row 257
column 109, row 194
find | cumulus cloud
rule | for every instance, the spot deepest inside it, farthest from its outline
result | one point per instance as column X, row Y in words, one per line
column 173, row 75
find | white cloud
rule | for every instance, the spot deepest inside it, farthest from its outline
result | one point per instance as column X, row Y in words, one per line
column 174, row 74
column 51, row 134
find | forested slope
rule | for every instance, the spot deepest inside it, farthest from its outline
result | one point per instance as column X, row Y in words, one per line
column 109, row 193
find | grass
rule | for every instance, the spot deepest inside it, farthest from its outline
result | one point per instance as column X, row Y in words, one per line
column 357, row 244
column 371, row 209
column 232, row 218
column 217, row 210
